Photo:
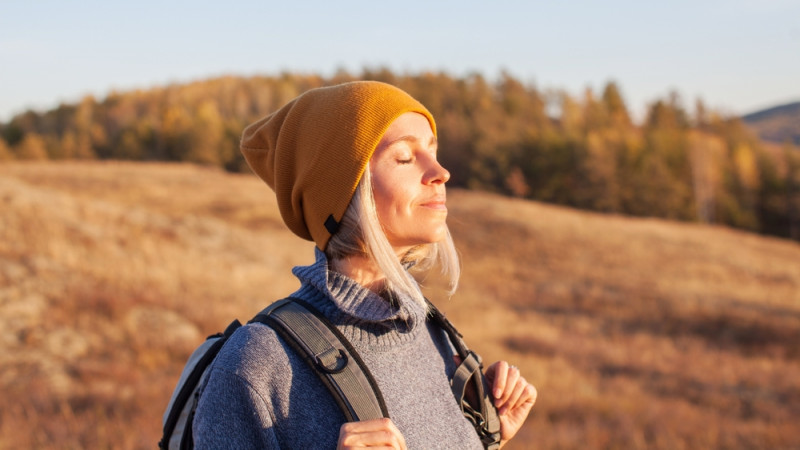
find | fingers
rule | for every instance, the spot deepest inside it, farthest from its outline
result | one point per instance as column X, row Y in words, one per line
column 498, row 375
column 512, row 383
column 378, row 433
column 516, row 397
column 509, row 388
column 505, row 380
column 514, row 413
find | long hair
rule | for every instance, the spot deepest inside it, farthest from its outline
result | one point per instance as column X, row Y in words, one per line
column 360, row 233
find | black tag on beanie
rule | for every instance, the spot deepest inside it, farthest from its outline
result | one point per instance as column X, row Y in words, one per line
column 331, row 224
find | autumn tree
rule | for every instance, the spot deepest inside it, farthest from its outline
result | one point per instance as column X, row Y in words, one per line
column 616, row 111
column 605, row 138
column 500, row 134
column 206, row 133
column 5, row 151
column 706, row 153
column 663, row 179
column 747, row 179
column 792, row 188
column 32, row 146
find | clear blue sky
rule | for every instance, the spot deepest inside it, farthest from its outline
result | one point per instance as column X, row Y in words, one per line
column 737, row 55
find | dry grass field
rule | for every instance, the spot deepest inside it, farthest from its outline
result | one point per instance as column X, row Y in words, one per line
column 638, row 333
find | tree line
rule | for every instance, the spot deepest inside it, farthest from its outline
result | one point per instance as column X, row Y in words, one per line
column 503, row 136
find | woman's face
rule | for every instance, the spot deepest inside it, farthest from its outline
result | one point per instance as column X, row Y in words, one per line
column 408, row 183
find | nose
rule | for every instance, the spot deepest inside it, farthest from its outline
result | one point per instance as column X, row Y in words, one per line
column 436, row 174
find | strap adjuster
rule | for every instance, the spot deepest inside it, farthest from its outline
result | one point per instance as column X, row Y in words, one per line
column 331, row 361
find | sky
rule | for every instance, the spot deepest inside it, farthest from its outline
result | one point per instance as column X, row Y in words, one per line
column 738, row 56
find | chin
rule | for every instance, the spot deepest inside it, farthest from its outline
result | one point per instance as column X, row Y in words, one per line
column 417, row 241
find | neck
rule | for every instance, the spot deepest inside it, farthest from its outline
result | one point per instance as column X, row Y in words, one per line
column 362, row 270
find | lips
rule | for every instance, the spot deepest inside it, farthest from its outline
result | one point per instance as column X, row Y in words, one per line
column 439, row 202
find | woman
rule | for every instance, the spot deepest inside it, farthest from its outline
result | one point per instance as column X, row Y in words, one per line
column 354, row 169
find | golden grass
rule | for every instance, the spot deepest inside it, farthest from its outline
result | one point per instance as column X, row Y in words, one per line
column 638, row 333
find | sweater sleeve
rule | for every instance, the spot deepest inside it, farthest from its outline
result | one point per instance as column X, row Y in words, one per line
column 231, row 414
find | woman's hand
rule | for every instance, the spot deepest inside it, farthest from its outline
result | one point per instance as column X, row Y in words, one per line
column 379, row 433
column 513, row 397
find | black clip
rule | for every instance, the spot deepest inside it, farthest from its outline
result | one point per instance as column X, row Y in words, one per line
column 336, row 365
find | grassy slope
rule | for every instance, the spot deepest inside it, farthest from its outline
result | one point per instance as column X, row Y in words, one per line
column 638, row 333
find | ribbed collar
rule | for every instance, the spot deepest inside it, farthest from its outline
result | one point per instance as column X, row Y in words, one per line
column 361, row 313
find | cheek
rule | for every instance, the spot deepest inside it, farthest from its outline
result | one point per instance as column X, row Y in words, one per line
column 393, row 190
column 390, row 201
column 384, row 201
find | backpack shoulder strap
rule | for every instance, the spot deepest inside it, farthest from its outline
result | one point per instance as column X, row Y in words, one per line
column 329, row 354
column 476, row 404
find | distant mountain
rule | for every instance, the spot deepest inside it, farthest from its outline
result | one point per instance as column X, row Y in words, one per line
column 777, row 124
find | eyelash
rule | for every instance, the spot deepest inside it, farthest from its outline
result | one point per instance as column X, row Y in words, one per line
column 405, row 161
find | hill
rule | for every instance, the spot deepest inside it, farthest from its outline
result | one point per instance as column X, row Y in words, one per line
column 638, row 333
column 778, row 124
column 502, row 136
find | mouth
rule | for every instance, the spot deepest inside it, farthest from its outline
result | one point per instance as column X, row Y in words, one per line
column 439, row 203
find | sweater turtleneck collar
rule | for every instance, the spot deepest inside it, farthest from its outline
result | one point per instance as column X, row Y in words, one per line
column 348, row 303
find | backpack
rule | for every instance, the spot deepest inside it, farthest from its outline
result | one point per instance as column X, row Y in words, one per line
column 333, row 358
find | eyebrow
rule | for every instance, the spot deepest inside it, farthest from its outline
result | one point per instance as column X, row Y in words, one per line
column 413, row 139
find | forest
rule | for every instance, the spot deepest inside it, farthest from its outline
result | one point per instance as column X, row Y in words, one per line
column 505, row 136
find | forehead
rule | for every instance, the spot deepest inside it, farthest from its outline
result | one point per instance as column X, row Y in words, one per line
column 408, row 125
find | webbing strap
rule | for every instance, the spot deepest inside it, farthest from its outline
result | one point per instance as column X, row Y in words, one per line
column 479, row 410
column 463, row 375
column 330, row 355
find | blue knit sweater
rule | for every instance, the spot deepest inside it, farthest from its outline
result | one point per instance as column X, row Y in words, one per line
column 261, row 394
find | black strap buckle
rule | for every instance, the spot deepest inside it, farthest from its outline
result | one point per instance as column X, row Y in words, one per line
column 330, row 362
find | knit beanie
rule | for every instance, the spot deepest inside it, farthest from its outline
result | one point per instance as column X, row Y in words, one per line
column 313, row 151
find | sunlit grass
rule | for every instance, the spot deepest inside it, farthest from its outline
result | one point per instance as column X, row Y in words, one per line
column 638, row 333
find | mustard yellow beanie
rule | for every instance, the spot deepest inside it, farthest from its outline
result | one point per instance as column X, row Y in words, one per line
column 313, row 151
